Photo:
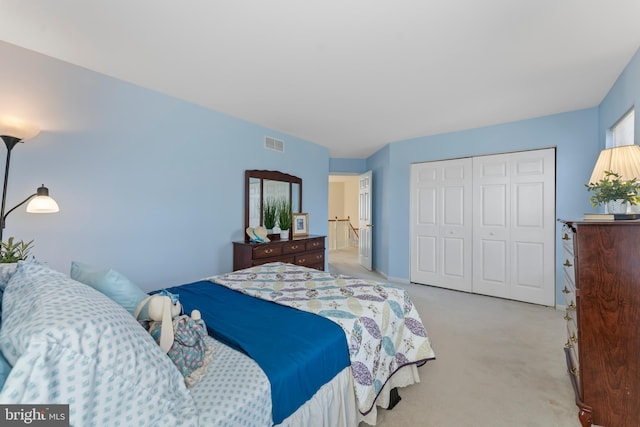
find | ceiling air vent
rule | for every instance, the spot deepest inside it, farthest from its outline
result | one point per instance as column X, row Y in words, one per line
column 274, row 144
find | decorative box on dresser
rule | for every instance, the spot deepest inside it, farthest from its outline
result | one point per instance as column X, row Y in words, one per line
column 602, row 288
column 307, row 251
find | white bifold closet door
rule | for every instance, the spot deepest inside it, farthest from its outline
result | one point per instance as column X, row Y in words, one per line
column 508, row 217
column 514, row 226
column 441, row 224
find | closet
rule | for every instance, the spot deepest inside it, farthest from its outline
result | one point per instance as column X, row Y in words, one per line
column 486, row 225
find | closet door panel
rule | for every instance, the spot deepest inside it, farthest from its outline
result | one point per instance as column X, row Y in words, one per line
column 533, row 226
column 491, row 206
column 441, row 224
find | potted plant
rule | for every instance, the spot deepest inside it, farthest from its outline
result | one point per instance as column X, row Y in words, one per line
column 284, row 218
column 11, row 252
column 614, row 192
column 269, row 215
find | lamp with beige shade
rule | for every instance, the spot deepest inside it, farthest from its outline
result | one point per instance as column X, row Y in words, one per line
column 616, row 169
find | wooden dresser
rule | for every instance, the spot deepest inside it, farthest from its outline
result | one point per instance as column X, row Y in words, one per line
column 602, row 287
column 307, row 251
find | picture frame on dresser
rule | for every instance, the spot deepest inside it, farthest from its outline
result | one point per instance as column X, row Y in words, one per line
column 300, row 224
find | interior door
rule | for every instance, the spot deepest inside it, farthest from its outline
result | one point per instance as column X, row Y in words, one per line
column 364, row 220
column 441, row 224
column 514, row 226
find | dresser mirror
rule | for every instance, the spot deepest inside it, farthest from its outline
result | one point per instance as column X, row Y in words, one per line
column 261, row 185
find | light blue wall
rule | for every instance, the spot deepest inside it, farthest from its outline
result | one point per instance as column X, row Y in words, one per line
column 147, row 184
column 574, row 134
column 347, row 166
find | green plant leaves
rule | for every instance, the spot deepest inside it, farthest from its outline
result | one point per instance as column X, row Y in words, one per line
column 11, row 251
column 611, row 187
column 270, row 207
column 284, row 214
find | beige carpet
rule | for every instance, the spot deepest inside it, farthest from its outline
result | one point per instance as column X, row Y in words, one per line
column 498, row 362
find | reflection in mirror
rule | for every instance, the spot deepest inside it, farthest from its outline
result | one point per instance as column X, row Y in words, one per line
column 275, row 191
column 255, row 200
column 295, row 198
column 261, row 185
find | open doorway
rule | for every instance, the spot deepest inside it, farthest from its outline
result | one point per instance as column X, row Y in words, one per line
column 342, row 240
column 349, row 237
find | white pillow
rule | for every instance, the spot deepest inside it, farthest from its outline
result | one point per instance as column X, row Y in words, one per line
column 70, row 344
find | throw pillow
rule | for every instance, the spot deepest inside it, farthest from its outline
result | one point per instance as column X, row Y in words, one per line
column 110, row 283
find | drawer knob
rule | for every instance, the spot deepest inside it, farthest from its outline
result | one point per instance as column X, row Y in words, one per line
column 294, row 247
column 268, row 251
column 568, row 344
column 567, row 317
column 574, row 371
column 565, row 236
column 301, row 261
column 565, row 290
column 572, row 306
column 567, row 263
column 574, row 338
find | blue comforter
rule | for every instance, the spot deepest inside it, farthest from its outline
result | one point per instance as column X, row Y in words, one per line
column 298, row 351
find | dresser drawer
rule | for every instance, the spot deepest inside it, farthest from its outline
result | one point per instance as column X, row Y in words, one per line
column 567, row 239
column 284, row 258
column 315, row 244
column 573, row 366
column 568, row 264
column 267, row 251
column 293, row 247
column 311, row 258
column 572, row 335
column 569, row 292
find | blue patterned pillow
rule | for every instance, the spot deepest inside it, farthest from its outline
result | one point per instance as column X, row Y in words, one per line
column 109, row 282
column 69, row 343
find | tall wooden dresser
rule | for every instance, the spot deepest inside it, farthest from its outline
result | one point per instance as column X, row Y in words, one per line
column 602, row 288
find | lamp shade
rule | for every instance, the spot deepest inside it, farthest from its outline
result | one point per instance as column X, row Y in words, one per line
column 42, row 203
column 17, row 129
column 624, row 160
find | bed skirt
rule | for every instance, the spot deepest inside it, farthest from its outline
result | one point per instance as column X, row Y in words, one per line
column 335, row 403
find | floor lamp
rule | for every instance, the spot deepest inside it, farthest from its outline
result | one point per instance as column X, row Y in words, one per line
column 39, row 202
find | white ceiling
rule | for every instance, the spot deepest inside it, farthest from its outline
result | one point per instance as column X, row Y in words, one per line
column 352, row 75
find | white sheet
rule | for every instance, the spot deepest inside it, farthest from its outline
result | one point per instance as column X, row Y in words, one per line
column 233, row 392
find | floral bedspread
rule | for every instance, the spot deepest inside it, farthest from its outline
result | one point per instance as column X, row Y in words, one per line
column 382, row 326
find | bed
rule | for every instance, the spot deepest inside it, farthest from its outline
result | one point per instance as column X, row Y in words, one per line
column 99, row 360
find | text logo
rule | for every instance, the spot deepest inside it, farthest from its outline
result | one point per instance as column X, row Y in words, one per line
column 34, row 415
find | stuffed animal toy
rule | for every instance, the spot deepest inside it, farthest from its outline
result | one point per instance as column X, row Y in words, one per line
column 160, row 308
column 179, row 335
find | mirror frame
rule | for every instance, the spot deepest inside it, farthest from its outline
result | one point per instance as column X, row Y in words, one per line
column 273, row 176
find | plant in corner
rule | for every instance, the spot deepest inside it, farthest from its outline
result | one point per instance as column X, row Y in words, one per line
column 269, row 215
column 284, row 218
column 611, row 188
column 11, row 251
